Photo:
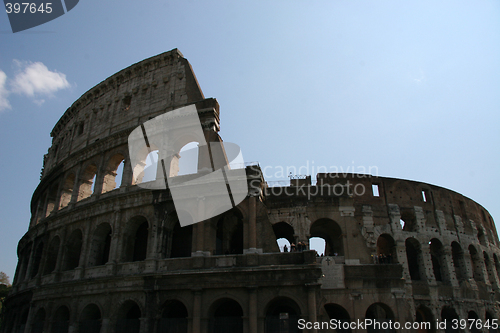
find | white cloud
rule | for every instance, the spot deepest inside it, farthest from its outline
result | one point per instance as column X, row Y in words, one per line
column 4, row 102
column 34, row 78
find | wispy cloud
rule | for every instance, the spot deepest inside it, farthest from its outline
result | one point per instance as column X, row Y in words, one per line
column 4, row 93
column 34, row 78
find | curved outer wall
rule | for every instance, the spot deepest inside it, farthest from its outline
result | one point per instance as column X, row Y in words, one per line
column 107, row 253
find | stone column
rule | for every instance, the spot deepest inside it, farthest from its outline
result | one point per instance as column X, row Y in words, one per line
column 252, row 309
column 311, row 300
column 197, row 311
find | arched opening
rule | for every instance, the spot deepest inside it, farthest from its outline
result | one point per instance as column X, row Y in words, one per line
column 438, row 259
column 113, row 175
column 414, row 257
column 408, row 221
column 489, row 321
column 282, row 315
column 424, row 315
column 182, row 239
column 229, row 233
column 40, row 208
column 284, row 235
column 449, row 314
column 317, row 244
column 24, row 259
column 150, row 169
column 338, row 313
column 458, row 261
column 136, row 244
column 61, row 320
column 87, row 181
column 21, row 325
column 141, row 242
column 386, row 250
column 489, row 269
column 227, row 317
column 38, row 322
column 52, row 253
column 187, row 160
column 480, row 235
column 73, row 251
column 174, row 318
column 51, row 200
column 497, row 264
column 331, row 233
column 283, row 245
column 129, row 318
column 382, row 313
column 473, row 318
column 67, row 191
column 90, row 321
column 100, row 246
column 477, row 267
column 37, row 259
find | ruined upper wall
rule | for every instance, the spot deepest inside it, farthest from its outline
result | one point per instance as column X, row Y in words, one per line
column 123, row 101
column 439, row 208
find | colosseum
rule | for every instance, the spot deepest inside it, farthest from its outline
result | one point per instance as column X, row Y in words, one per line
column 103, row 254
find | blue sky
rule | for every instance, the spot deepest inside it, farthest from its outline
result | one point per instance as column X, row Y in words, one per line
column 411, row 87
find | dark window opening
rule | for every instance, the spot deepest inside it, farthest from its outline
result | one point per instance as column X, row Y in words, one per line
column 227, row 318
column 229, row 234
column 340, row 314
column 414, row 257
column 382, row 313
column 182, row 239
column 73, row 251
column 458, row 261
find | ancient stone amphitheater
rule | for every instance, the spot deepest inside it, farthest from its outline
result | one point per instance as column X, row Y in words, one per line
column 103, row 254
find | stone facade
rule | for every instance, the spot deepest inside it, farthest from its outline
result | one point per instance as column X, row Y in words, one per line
column 104, row 255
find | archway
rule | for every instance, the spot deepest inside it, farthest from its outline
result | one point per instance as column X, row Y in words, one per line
column 284, row 234
column 87, row 182
column 227, row 317
column 458, row 261
column 129, row 318
column 489, row 320
column 438, row 259
column 382, row 314
column 477, row 267
column 473, row 318
column 135, row 246
column 38, row 323
column 449, row 314
column 90, row 321
column 52, row 254
column 37, row 260
column 186, row 160
column 424, row 316
column 341, row 317
column 174, row 318
column 101, row 244
column 61, row 320
column 282, row 315
column 229, row 234
column 414, row 257
column 331, row 232
column 182, row 239
column 73, row 250
column 386, row 249
column 67, row 191
column 114, row 170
